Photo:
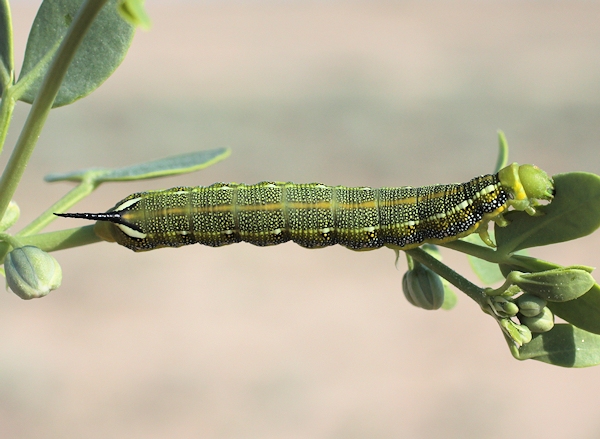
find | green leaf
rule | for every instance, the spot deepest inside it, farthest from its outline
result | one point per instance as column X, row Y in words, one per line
column 565, row 345
column 450, row 299
column 583, row 312
column 173, row 165
column 134, row 13
column 102, row 50
column 557, row 285
column 574, row 212
column 502, row 159
column 6, row 49
column 488, row 272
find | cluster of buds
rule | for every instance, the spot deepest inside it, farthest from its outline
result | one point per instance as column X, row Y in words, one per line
column 556, row 285
column 519, row 305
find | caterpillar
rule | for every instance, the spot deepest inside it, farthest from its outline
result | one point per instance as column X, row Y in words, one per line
column 315, row 215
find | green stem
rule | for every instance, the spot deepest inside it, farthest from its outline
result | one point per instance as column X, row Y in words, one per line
column 60, row 240
column 10, row 240
column 7, row 70
column 470, row 289
column 43, row 102
column 485, row 253
column 75, row 195
column 6, row 111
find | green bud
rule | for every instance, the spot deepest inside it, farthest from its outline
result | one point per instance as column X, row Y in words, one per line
column 530, row 305
column 10, row 217
column 520, row 334
column 557, row 285
column 543, row 322
column 504, row 307
column 31, row 272
column 423, row 288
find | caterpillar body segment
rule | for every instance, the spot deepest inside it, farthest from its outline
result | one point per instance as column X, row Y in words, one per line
column 316, row 216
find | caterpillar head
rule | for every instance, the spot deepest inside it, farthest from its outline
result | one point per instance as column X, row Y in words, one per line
column 527, row 184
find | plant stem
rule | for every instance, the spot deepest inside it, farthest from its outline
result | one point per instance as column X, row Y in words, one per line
column 60, row 240
column 470, row 289
column 75, row 195
column 43, row 102
column 485, row 253
column 10, row 240
column 7, row 70
column 6, row 111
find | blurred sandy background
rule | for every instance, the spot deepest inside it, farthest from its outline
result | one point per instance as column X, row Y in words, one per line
column 283, row 342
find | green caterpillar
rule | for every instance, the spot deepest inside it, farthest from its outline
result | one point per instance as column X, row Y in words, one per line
column 316, row 216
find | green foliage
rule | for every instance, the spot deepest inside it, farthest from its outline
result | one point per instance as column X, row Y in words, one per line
column 174, row 165
column 75, row 45
column 565, row 345
column 574, row 213
column 101, row 51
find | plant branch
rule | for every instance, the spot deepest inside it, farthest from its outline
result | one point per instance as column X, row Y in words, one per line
column 75, row 195
column 485, row 253
column 44, row 100
column 59, row 240
column 470, row 289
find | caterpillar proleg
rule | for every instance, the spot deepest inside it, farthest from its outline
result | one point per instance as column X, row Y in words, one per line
column 315, row 216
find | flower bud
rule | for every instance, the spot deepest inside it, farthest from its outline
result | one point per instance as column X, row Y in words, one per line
column 520, row 334
column 10, row 216
column 504, row 307
column 31, row 272
column 530, row 305
column 543, row 322
column 557, row 285
column 423, row 288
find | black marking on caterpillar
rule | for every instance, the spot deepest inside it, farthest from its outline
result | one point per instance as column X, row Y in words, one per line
column 315, row 216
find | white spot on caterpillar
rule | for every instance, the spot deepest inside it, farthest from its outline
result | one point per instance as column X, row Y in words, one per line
column 369, row 229
column 270, row 185
column 366, row 188
column 325, row 230
column 127, row 203
column 225, row 188
column 321, row 186
column 228, row 232
column 182, row 232
column 276, row 232
column 462, row 205
column 130, row 232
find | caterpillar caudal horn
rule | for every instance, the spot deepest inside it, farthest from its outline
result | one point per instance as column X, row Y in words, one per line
column 315, row 215
column 112, row 217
